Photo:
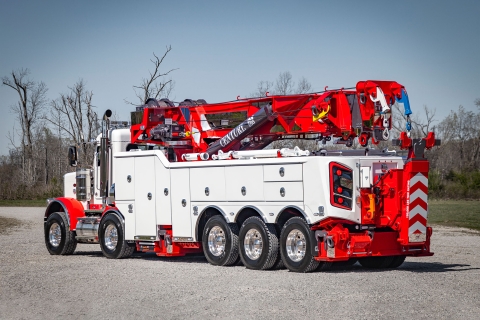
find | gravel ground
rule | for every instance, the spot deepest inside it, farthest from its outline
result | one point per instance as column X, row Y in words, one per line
column 34, row 284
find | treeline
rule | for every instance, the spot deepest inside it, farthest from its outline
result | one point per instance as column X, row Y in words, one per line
column 455, row 165
column 38, row 175
column 36, row 162
column 44, row 128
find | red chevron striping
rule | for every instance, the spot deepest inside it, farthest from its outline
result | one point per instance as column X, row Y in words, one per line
column 419, row 185
column 421, row 173
column 419, row 202
column 417, row 231
column 417, row 218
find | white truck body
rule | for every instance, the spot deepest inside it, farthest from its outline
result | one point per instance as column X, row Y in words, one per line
column 181, row 191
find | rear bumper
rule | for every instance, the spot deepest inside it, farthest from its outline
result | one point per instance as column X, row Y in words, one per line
column 339, row 245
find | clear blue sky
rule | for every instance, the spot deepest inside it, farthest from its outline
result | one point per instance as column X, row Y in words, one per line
column 224, row 48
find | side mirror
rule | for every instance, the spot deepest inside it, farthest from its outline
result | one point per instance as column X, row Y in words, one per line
column 72, row 156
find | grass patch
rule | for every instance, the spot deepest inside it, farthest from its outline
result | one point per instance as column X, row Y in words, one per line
column 454, row 213
column 7, row 223
column 23, row 203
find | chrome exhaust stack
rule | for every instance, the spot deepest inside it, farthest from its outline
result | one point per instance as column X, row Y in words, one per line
column 104, row 168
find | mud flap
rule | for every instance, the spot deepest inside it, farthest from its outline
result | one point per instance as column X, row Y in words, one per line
column 316, row 237
column 313, row 240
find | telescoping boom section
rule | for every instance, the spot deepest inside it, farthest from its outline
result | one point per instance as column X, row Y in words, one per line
column 195, row 177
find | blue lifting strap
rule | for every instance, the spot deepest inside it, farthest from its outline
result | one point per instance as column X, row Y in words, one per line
column 406, row 104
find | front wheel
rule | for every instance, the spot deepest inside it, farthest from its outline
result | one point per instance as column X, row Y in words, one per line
column 296, row 246
column 58, row 237
column 112, row 238
column 220, row 242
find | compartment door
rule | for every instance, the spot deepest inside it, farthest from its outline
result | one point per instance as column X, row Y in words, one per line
column 181, row 219
column 244, row 183
column 145, row 218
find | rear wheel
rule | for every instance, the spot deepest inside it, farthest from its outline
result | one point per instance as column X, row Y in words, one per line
column 220, row 242
column 258, row 244
column 397, row 262
column 376, row 262
column 324, row 266
column 344, row 264
column 279, row 263
column 58, row 237
column 296, row 246
column 112, row 238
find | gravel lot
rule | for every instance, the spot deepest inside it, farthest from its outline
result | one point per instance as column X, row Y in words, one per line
column 34, row 284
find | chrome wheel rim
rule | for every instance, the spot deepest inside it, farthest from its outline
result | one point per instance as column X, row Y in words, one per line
column 111, row 237
column 55, row 235
column 253, row 244
column 216, row 241
column 296, row 245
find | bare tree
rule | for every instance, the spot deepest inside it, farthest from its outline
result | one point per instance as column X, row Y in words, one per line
column 303, row 86
column 285, row 83
column 73, row 114
column 460, row 134
column 32, row 99
column 262, row 88
column 155, row 86
column 420, row 126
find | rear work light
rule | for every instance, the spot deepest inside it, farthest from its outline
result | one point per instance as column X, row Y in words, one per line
column 341, row 186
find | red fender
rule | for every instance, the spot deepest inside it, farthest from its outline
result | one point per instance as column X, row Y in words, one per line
column 72, row 208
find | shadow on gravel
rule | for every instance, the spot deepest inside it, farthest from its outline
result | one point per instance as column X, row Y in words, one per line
column 191, row 258
column 435, row 267
column 94, row 254
column 418, row 267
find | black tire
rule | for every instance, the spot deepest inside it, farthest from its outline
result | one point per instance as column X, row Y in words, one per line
column 305, row 263
column 344, row 264
column 278, row 265
column 397, row 262
column 109, row 229
column 63, row 240
column 187, row 103
column 217, row 228
column 341, row 265
column 151, row 102
column 376, row 262
column 324, row 266
column 256, row 230
column 167, row 102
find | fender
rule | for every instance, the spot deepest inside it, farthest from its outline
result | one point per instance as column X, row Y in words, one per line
column 115, row 211
column 296, row 209
column 203, row 212
column 72, row 207
column 264, row 218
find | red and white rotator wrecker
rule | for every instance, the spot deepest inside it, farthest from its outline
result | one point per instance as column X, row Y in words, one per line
column 181, row 180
